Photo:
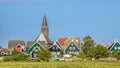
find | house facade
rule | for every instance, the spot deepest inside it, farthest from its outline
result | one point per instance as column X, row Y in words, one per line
column 55, row 50
column 70, row 45
column 113, row 46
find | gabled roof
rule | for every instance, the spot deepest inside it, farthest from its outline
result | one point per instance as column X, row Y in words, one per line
column 70, row 43
column 56, row 44
column 66, row 41
column 36, row 44
column 110, row 45
column 30, row 43
column 42, row 37
column 62, row 40
column 14, row 43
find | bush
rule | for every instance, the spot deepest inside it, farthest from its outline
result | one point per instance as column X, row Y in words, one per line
column 116, row 54
column 20, row 57
column 82, row 55
column 8, row 58
column 44, row 55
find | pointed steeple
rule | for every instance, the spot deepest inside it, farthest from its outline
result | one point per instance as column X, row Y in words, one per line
column 44, row 22
column 44, row 28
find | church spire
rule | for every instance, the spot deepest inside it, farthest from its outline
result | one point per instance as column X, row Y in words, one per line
column 44, row 22
column 44, row 28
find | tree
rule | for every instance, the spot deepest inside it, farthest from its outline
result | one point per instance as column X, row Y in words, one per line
column 82, row 55
column 61, row 53
column 44, row 55
column 116, row 54
column 87, row 44
column 99, row 51
column 14, row 52
column 19, row 57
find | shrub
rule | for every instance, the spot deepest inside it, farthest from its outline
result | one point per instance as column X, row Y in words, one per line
column 20, row 57
column 8, row 58
column 116, row 54
column 44, row 55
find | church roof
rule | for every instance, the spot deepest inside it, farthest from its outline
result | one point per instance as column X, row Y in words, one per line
column 42, row 37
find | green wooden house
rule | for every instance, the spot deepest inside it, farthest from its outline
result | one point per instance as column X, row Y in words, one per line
column 34, row 49
column 72, row 48
column 113, row 46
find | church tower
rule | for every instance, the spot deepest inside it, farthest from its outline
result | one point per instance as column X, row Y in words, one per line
column 44, row 28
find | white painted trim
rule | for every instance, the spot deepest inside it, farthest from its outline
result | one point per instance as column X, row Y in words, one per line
column 114, row 44
column 54, row 45
column 69, row 45
column 18, row 45
column 34, row 44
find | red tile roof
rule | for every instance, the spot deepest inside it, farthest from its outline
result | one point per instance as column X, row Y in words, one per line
column 62, row 40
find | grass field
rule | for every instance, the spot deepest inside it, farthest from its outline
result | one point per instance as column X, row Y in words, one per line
column 81, row 64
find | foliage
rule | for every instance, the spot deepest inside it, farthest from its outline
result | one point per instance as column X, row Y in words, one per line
column 44, row 55
column 61, row 52
column 116, row 54
column 87, row 44
column 20, row 57
column 14, row 52
column 8, row 58
column 82, row 55
column 99, row 51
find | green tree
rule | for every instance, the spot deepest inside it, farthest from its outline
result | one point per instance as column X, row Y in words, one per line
column 87, row 44
column 99, row 51
column 14, row 52
column 61, row 53
column 116, row 54
column 44, row 55
column 82, row 55
column 20, row 57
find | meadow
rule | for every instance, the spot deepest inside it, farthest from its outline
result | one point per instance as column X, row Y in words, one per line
column 80, row 64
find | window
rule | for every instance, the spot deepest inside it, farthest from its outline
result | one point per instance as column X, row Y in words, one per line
column 72, row 44
column 119, row 47
column 56, row 48
column 70, row 48
column 115, row 47
column 73, row 48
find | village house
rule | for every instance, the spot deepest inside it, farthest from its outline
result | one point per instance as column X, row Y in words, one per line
column 113, row 46
column 69, row 45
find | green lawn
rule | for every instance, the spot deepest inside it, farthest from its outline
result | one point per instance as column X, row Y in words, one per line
column 81, row 64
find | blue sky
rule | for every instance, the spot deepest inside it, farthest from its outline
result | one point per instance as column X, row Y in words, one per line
column 21, row 19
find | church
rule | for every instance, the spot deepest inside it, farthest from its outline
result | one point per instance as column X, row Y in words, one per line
column 68, row 45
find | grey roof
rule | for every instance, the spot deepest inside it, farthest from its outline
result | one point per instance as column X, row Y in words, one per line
column 14, row 43
column 30, row 43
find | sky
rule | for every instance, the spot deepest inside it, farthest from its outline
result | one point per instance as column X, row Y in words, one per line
column 22, row 19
